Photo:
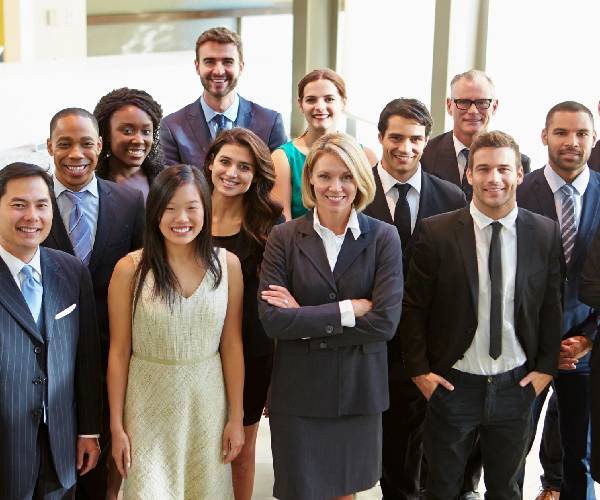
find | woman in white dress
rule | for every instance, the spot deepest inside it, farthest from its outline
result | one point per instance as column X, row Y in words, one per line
column 176, row 369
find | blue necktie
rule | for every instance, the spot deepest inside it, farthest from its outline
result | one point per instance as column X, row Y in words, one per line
column 221, row 122
column 568, row 226
column 464, row 184
column 80, row 232
column 32, row 291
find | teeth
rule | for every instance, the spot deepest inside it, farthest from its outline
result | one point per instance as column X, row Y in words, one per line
column 335, row 198
column 230, row 183
column 28, row 229
column 76, row 168
column 181, row 230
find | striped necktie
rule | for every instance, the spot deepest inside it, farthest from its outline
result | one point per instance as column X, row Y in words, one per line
column 464, row 184
column 80, row 232
column 221, row 123
column 32, row 291
column 568, row 225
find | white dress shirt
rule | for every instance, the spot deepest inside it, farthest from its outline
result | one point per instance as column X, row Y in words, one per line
column 333, row 244
column 556, row 182
column 388, row 183
column 230, row 113
column 477, row 359
column 462, row 161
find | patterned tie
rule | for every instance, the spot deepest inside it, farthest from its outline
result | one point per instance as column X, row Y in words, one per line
column 32, row 291
column 568, row 226
column 495, row 268
column 402, row 214
column 221, row 122
column 464, row 184
column 80, row 232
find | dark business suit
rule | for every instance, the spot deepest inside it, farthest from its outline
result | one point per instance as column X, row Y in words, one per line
column 56, row 366
column 578, row 319
column 589, row 293
column 119, row 230
column 594, row 159
column 403, row 421
column 439, row 317
column 439, row 159
column 322, row 369
column 185, row 136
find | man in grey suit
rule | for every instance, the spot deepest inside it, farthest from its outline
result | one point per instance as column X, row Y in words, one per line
column 186, row 134
column 50, row 361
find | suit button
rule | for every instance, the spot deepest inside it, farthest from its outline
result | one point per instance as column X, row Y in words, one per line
column 37, row 381
column 332, row 296
column 329, row 329
column 37, row 350
column 323, row 345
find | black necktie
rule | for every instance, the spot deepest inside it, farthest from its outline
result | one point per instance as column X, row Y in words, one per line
column 402, row 214
column 464, row 184
column 495, row 267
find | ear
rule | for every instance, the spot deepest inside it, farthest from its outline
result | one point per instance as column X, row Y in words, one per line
column 494, row 106
column 380, row 137
column 99, row 144
column 241, row 67
column 197, row 66
column 469, row 174
column 520, row 175
column 544, row 136
column 449, row 105
column 49, row 147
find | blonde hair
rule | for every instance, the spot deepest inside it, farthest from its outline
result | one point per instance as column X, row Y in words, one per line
column 352, row 156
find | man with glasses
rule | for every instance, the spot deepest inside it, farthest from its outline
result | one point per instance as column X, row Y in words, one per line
column 471, row 105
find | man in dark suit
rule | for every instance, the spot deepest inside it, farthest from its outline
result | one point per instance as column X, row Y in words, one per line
column 112, row 218
column 471, row 105
column 186, row 134
column 50, row 360
column 481, row 323
column 594, row 160
column 567, row 191
column 404, row 195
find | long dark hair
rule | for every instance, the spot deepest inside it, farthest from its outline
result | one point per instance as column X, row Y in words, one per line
column 115, row 100
column 260, row 211
column 154, row 256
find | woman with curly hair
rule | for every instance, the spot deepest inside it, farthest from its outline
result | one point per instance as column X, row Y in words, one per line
column 131, row 154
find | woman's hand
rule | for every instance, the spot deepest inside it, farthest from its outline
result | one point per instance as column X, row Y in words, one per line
column 233, row 440
column 121, row 451
column 279, row 296
column 361, row 307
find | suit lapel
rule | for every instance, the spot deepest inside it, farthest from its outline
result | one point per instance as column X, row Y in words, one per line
column 13, row 301
column 53, row 283
column 106, row 215
column 244, row 117
column 311, row 245
column 58, row 237
column 379, row 208
column 447, row 156
column 524, row 256
column 544, row 197
column 465, row 237
column 198, row 126
column 588, row 220
column 426, row 201
column 351, row 249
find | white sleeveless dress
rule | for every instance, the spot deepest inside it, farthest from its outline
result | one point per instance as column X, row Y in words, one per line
column 175, row 405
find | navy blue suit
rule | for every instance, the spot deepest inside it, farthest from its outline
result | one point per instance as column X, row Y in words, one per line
column 572, row 387
column 57, row 366
column 185, row 136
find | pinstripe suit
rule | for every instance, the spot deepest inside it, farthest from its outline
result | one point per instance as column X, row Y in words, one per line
column 65, row 352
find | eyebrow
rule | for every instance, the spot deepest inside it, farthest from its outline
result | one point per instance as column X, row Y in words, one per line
column 28, row 201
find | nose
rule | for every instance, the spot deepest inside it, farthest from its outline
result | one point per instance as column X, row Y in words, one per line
column 472, row 108
column 571, row 140
column 76, row 151
column 336, row 184
column 232, row 171
column 405, row 146
column 219, row 68
column 30, row 213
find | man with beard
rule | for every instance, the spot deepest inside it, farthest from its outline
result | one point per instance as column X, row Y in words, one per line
column 186, row 134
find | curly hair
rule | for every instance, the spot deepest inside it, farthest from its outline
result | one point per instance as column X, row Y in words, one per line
column 154, row 163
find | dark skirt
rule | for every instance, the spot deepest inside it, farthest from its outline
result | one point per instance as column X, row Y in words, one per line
column 257, row 377
column 320, row 458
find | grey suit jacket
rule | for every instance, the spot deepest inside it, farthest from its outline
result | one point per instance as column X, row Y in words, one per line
column 185, row 136
column 322, row 369
column 65, row 362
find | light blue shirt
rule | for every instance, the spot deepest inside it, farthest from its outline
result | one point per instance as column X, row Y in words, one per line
column 15, row 265
column 90, row 205
column 230, row 114
column 556, row 182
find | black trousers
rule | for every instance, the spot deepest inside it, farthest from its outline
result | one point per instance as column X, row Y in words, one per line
column 500, row 410
column 48, row 486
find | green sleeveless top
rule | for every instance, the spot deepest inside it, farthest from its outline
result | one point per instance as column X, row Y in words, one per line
column 296, row 160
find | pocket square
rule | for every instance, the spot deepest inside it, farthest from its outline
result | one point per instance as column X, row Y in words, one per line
column 66, row 311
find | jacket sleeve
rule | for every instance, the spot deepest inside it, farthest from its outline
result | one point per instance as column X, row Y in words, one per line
column 589, row 291
column 277, row 136
column 137, row 240
column 169, row 145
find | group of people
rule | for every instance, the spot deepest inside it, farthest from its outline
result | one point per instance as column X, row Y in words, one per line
column 399, row 320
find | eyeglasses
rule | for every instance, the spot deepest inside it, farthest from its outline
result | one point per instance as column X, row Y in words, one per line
column 465, row 104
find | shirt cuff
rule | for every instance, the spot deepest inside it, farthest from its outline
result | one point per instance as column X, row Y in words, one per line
column 347, row 313
column 93, row 436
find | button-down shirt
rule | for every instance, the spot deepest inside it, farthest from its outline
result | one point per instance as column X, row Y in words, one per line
column 461, row 160
column 556, row 182
column 333, row 245
column 388, row 183
column 476, row 359
column 15, row 265
column 230, row 114
column 90, row 205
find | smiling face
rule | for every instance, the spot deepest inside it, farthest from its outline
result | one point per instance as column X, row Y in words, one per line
column 183, row 217
column 570, row 137
column 321, row 105
column 219, row 68
column 403, row 144
column 334, row 186
column 232, row 170
column 75, row 146
column 131, row 132
column 495, row 177
column 25, row 216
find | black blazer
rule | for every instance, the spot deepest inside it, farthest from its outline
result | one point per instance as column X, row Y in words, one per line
column 439, row 159
column 120, row 230
column 320, row 368
column 535, row 195
column 594, row 160
column 185, row 137
column 67, row 357
column 440, row 300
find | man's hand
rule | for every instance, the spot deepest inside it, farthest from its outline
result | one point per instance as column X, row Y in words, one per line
column 537, row 379
column 88, row 451
column 428, row 383
column 572, row 349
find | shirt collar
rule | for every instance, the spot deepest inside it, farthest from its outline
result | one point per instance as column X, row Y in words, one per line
column 15, row 264
column 388, row 182
column 352, row 224
column 91, row 187
column 555, row 181
column 230, row 113
column 483, row 220
column 458, row 146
